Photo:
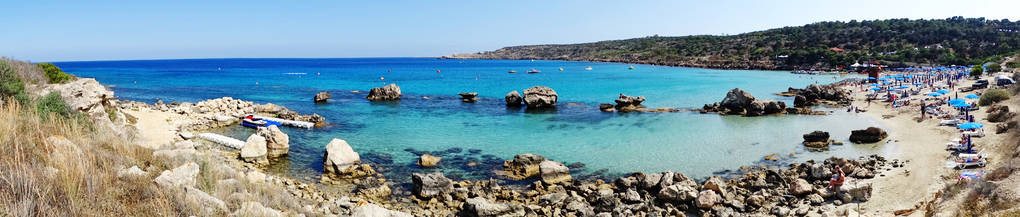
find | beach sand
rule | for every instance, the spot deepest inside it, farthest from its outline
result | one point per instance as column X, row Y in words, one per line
column 153, row 128
column 922, row 145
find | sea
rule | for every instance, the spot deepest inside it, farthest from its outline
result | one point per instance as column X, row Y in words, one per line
column 475, row 138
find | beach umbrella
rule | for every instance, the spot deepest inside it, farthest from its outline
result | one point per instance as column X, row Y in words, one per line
column 899, row 79
column 970, row 126
column 956, row 101
column 932, row 74
column 909, row 76
column 874, row 85
column 918, row 84
column 904, row 87
column 972, row 96
column 934, row 94
column 943, row 91
column 886, row 82
column 960, row 105
column 876, row 88
column 871, row 78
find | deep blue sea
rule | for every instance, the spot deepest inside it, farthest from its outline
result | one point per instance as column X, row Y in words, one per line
column 391, row 134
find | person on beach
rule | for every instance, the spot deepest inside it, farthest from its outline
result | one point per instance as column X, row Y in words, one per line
column 837, row 179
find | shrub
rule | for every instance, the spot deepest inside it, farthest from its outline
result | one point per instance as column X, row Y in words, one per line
column 976, row 71
column 994, row 67
column 53, row 104
column 993, row 96
column 54, row 73
column 11, row 85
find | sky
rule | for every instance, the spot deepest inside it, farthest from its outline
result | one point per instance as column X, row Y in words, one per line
column 71, row 30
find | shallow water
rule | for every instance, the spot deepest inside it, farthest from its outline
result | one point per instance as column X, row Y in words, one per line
column 391, row 134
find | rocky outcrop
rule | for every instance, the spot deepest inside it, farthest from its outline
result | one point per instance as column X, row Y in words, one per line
column 342, row 163
column 774, row 107
column 372, row 210
column 736, row 101
column 428, row 160
column 1000, row 113
column 606, row 107
column 629, row 103
column 385, row 93
column 513, row 99
column 468, row 97
column 321, row 97
column 431, row 185
column 540, row 97
column 817, row 139
column 740, row 102
column 815, row 94
column 523, row 166
column 254, row 150
column 183, row 175
column 482, row 207
column 553, row 172
column 277, row 142
column 869, row 135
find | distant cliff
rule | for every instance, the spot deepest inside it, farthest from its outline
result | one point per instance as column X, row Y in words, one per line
column 823, row 45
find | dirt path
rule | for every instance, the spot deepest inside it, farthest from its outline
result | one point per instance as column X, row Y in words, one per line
column 153, row 127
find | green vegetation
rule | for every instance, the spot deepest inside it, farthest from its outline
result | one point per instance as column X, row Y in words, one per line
column 976, row 71
column 993, row 96
column 11, row 86
column 994, row 67
column 53, row 104
column 895, row 42
column 55, row 74
column 1013, row 64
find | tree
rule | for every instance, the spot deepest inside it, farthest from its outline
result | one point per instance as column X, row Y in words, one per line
column 976, row 71
column 994, row 67
column 54, row 73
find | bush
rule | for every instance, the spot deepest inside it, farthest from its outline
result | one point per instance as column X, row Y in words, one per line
column 993, row 96
column 994, row 67
column 11, row 85
column 52, row 103
column 55, row 74
column 976, row 71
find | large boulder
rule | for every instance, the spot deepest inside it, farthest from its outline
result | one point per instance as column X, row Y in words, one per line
column 513, row 99
column 431, row 185
column 869, row 135
column 707, row 198
column 481, row 207
column 184, row 175
column 254, row 150
column 388, row 92
column 372, row 210
column 755, row 108
column 540, row 97
column 859, row 191
column 774, row 107
column 817, row 139
column 629, row 103
column 468, row 97
column 277, row 142
column 1000, row 113
column 715, row 183
column 321, row 97
column 678, row 193
column 523, row 166
column 800, row 101
column 801, row 187
column 554, row 172
column 736, row 101
column 341, row 162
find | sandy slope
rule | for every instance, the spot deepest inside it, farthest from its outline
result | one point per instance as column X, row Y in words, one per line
column 153, row 127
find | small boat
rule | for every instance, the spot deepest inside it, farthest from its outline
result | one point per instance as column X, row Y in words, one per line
column 589, row 68
column 251, row 121
column 533, row 71
column 631, row 68
column 561, row 68
column 512, row 71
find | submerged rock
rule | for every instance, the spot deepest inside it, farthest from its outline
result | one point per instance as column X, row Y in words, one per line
column 540, row 97
column 468, row 97
column 388, row 92
column 428, row 160
column 321, row 97
column 513, row 99
column 869, row 135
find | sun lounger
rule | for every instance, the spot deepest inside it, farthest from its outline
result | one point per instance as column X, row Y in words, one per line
column 952, row 122
column 969, row 160
column 979, row 133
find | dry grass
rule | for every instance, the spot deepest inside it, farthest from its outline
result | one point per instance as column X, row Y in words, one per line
column 41, row 179
column 28, row 72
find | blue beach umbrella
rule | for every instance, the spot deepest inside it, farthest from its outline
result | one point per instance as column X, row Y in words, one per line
column 909, row 76
column 918, row 84
column 960, row 105
column 934, row 94
column 876, row 88
column 972, row 96
column 874, row 85
column 904, row 87
column 943, row 91
column 899, row 79
column 871, row 78
column 932, row 74
column 970, row 126
column 956, row 101
column 887, row 82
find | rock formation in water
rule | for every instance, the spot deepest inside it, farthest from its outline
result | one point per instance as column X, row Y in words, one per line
column 385, row 93
column 321, row 97
column 468, row 97
column 869, row 135
column 540, row 97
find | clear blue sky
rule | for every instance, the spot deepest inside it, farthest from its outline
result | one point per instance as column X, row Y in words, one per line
column 51, row 30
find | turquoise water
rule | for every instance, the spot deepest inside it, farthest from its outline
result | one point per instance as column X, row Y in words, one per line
column 390, row 134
